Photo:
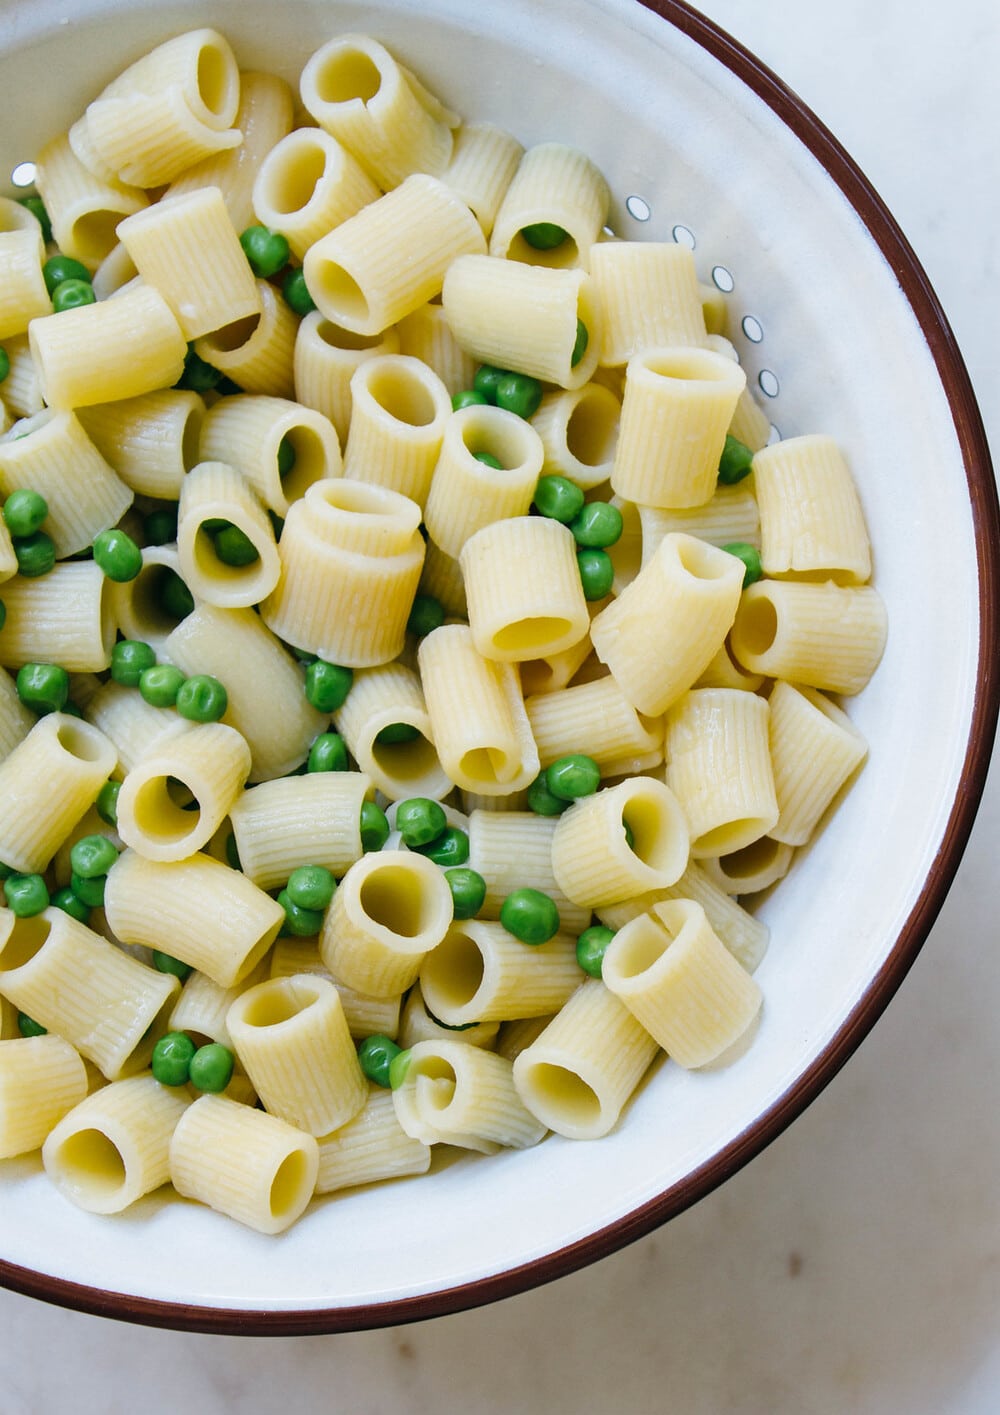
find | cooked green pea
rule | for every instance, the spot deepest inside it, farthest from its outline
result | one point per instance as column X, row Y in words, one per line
column 296, row 292
column 299, row 922
column 167, row 963
column 67, row 901
column 374, row 826
column 541, row 799
column 202, row 698
column 6, row 871
column 519, row 393
column 311, row 887
column 530, row 915
column 234, row 547
column 71, row 294
column 117, row 555
column 598, row 525
column 375, row 1054
column 485, row 381
column 3, row 614
column 107, row 802
column 4, row 364
column 597, row 573
column 160, row 526
column 468, row 398
column 468, row 891
column 750, row 556
column 129, row 660
column 591, row 947
column 629, row 837
column 35, row 554
column 172, row 1057
column 37, row 208
column 398, row 1067
column 173, row 594
column 451, row 847
column 59, row 268
column 327, row 685
column 26, row 895
column 88, row 891
column 285, row 457
column 24, row 511
column 92, row 855
column 43, row 687
column 426, row 615
column 544, row 235
column 397, row 733
column 211, row 1068
column 266, row 250
column 328, row 753
column 558, row 498
column 160, row 684
column 573, row 776
column 232, row 853
column 735, row 462
column 198, row 375
column 419, row 820
column 488, row 460
column 28, row 1027
column 580, row 343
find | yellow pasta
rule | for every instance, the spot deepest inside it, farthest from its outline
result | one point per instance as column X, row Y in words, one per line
column 824, row 635
column 41, row 1079
column 462, row 1095
column 399, row 410
column 381, row 698
column 556, row 185
column 481, row 973
column 84, row 209
column 23, row 296
column 300, row 820
column 256, row 352
column 307, row 184
column 649, row 298
column 326, row 358
column 151, row 441
column 483, row 162
column 370, row 1147
column 814, row 750
column 16, row 721
column 211, row 492
column 812, row 525
column 579, row 432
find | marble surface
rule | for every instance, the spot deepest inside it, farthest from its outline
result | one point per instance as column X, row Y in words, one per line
column 855, row 1265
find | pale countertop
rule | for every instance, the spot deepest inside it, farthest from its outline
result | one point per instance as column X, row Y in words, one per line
column 855, row 1265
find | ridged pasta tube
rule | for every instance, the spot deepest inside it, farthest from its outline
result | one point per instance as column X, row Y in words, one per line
column 483, row 162
column 212, row 492
column 417, row 1025
column 63, row 617
column 757, row 866
column 811, row 521
column 151, row 441
column 300, row 820
column 202, row 1006
column 23, row 296
column 556, row 185
column 326, row 358
column 591, row 859
column 513, row 850
column 16, row 721
column 815, row 748
column 41, row 1080
column 308, row 184
column 257, row 352
column 649, row 297
column 399, row 411
column 599, row 717
column 579, row 432
column 462, row 1095
column 365, row 1015
column 250, row 430
column 384, row 697
column 824, row 636
column 132, row 726
column 731, row 515
column 370, row 1147
column 84, row 209
column 481, row 973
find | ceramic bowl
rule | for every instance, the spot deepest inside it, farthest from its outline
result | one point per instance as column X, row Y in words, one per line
column 839, row 332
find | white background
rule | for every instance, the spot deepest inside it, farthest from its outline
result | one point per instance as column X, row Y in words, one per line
column 854, row 1265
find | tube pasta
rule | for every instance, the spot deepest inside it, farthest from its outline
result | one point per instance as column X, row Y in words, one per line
column 814, row 748
column 483, row 162
column 399, row 410
column 16, row 721
column 757, row 866
column 202, row 1005
column 23, row 296
column 812, row 525
column 366, row 1016
column 481, row 973
column 132, row 726
column 513, row 850
column 553, row 184
column 63, row 617
column 417, row 1025
column 426, row 335
column 593, row 863
column 84, row 209
column 137, row 606
column 441, row 577
column 731, row 515
column 579, row 432
column 618, row 738
column 41, row 1079
column 249, row 431
column 22, row 388
column 151, row 441
column 326, row 358
column 649, row 298
column 300, row 820
column 380, row 698
column 215, row 491
column 308, row 184
column 257, row 352
column 370, row 1147
column 462, row 1095
column 823, row 636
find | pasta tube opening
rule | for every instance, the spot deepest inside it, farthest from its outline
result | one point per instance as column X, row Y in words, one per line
column 292, row 1177
column 345, row 74
column 91, row 1165
column 454, row 971
column 81, row 740
column 758, row 625
column 396, row 899
column 25, row 938
column 559, row 1094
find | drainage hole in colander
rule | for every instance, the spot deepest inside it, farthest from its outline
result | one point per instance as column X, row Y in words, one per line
column 637, row 208
column 722, row 279
column 23, row 174
column 684, row 237
column 751, row 328
column 768, row 383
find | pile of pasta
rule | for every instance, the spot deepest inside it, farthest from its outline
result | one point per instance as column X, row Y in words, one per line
column 708, row 707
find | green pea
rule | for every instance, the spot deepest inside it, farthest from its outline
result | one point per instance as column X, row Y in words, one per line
column 59, row 268
column 285, row 457
column 211, row 1068
column 598, row 525
column 88, row 891
column 468, row 398
column 374, row 826
column 232, row 853
column 92, row 855
column 419, row 820
column 426, row 615
column 591, row 947
column 28, row 1027
column 530, row 915
column 544, row 235
column 26, row 895
column 451, row 847
column 6, row 871
column 397, row 733
column 488, row 460
column 118, row 556
column 519, row 393
column 4, row 364
column 43, row 687
column 735, row 462
column 751, row 560
column 485, row 381
column 327, row 685
column 398, row 1067
column 376, row 1054
column 160, row 526
column 328, row 753
column 71, row 294
column 558, row 498
column 573, row 776
column 129, row 660
column 234, row 547
column 579, row 344
column 299, row 922
column 67, row 901
column 629, row 836
column 3, row 614
column 296, row 292
column 24, row 511
column 71, row 709
column 277, row 524
column 311, row 887
column 468, row 891
column 266, row 250
column 37, row 208
column 597, row 573
column 167, row 963
column 35, row 554
column 107, row 802
column 160, row 684
column 198, row 376
column 172, row 1057
column 173, row 594
column 541, row 799
column 202, row 698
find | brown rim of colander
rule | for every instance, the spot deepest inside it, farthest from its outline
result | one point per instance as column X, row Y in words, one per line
column 982, row 493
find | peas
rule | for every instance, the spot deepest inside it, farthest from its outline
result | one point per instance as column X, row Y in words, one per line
column 296, row 292
column 43, row 687
column 544, row 235
column 311, row 887
column 24, row 511
column 234, row 547
column 71, row 294
column 28, row 1027
column 398, row 1067
column 88, row 891
column 67, row 901
column 419, row 820
column 426, row 615
column 558, row 498
column 579, row 344
column 591, row 947
column 376, row 1054
column 299, row 922
column 374, row 826
column 285, row 457
column 327, row 685
column 485, row 381
column 598, row 525
column 211, row 1068
column 597, row 573
column 232, row 853
column 328, row 753
column 202, row 698
column 174, row 596
column 488, row 460
column 396, row 733
column 266, row 250
column 160, row 526
column 198, row 375
column 167, row 963
column 451, row 847
column 751, row 560
column 519, row 393
column 92, row 855
column 541, row 799
column 59, row 268
column 37, row 208
column 468, row 398
column 129, row 660
column 468, row 891
column 107, row 802
column 35, row 554
column 629, row 837
column 530, row 916
column 160, row 684
column 3, row 614
column 4, row 364
column 573, row 776
column 26, row 895
column 118, row 556
column 735, row 462
column 172, row 1057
